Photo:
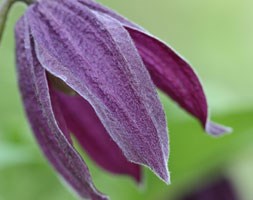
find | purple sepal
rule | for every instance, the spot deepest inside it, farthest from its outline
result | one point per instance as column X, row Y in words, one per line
column 169, row 71
column 95, row 56
column 50, row 133
column 83, row 122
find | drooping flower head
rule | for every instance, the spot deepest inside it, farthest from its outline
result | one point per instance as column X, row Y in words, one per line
column 85, row 70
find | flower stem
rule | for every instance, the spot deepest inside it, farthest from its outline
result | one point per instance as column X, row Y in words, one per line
column 4, row 9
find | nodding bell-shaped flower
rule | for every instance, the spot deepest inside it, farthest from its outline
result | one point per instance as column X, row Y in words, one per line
column 85, row 70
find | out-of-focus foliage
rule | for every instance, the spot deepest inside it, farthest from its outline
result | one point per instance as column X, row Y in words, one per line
column 216, row 36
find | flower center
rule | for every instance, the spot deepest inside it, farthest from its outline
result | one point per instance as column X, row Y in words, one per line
column 59, row 85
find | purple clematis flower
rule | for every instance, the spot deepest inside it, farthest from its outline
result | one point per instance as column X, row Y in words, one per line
column 220, row 189
column 85, row 70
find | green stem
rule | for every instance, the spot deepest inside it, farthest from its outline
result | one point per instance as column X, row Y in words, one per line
column 4, row 9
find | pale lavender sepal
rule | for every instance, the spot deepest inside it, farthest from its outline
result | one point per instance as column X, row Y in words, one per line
column 98, row 59
column 37, row 102
column 83, row 122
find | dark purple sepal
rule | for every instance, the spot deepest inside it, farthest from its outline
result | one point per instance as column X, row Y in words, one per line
column 49, row 132
column 95, row 56
column 169, row 71
column 175, row 77
column 83, row 122
column 220, row 189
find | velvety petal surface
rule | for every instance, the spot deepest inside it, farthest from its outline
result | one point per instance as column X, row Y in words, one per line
column 51, row 133
column 83, row 122
column 169, row 71
column 174, row 76
column 96, row 57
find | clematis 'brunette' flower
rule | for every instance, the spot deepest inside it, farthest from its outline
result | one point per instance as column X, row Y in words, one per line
column 85, row 70
column 220, row 189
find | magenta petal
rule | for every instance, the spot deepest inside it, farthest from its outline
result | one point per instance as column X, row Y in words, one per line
column 37, row 102
column 174, row 76
column 96, row 57
column 83, row 122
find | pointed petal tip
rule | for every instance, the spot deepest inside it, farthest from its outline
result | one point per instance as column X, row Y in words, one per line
column 140, row 180
column 166, row 177
column 216, row 130
column 167, row 180
column 163, row 174
column 160, row 169
column 138, row 177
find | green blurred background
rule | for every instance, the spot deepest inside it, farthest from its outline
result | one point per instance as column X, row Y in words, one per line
column 217, row 38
